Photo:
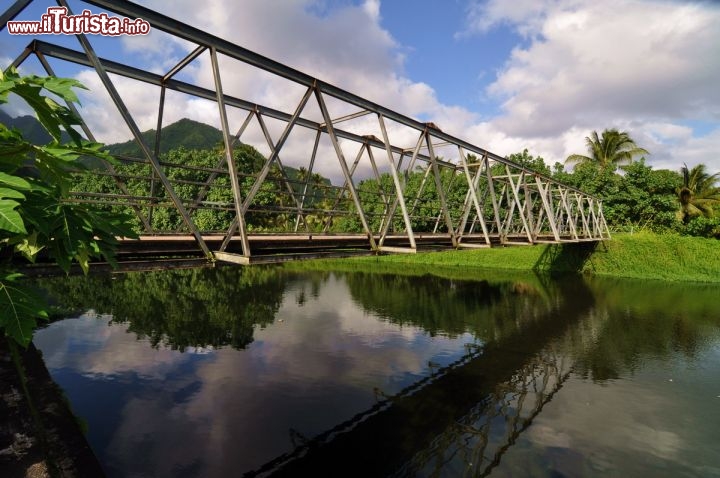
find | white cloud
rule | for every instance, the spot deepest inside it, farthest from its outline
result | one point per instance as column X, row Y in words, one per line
column 344, row 45
column 526, row 15
column 644, row 66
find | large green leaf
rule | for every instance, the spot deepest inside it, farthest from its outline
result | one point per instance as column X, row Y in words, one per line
column 14, row 181
column 11, row 193
column 20, row 307
column 10, row 219
column 63, row 88
column 5, row 87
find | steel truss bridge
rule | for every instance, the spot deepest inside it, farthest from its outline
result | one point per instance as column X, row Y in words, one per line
column 406, row 184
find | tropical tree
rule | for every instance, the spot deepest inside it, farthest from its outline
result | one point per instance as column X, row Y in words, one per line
column 608, row 151
column 35, row 214
column 699, row 193
column 535, row 163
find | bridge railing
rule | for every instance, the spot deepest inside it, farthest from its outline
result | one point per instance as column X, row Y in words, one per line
column 401, row 178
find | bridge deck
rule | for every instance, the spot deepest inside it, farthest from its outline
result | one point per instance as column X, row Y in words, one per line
column 283, row 247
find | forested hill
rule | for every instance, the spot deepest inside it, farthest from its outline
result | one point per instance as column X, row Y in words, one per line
column 30, row 128
column 186, row 133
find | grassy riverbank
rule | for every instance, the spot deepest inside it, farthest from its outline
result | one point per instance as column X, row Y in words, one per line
column 640, row 255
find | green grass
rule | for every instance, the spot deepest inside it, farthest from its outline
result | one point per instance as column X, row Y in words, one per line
column 641, row 255
column 658, row 256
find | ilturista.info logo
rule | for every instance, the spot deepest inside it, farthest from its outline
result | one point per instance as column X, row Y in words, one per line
column 57, row 22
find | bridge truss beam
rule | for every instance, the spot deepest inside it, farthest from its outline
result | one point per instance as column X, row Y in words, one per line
column 469, row 197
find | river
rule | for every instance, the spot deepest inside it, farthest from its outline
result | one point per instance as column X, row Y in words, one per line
column 263, row 371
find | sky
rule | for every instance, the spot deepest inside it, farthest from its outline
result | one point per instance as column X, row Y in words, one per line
column 505, row 76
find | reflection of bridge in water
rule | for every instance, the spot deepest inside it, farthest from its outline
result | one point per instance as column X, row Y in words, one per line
column 411, row 197
column 459, row 421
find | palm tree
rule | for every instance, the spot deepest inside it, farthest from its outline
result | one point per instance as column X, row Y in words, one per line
column 698, row 194
column 613, row 148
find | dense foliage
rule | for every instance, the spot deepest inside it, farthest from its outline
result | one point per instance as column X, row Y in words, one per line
column 635, row 196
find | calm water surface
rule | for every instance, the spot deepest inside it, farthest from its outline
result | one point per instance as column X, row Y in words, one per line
column 260, row 372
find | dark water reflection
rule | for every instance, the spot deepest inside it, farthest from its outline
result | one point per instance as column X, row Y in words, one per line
column 260, row 371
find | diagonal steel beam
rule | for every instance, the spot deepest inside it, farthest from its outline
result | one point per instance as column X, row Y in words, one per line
column 493, row 198
column 345, row 186
column 515, row 189
column 473, row 185
column 283, row 173
column 13, row 11
column 108, row 167
column 232, row 167
column 440, row 189
column 268, row 163
column 570, row 218
column 399, row 189
column 547, row 204
column 309, row 175
column 390, row 213
column 205, row 188
column 130, row 122
column 343, row 166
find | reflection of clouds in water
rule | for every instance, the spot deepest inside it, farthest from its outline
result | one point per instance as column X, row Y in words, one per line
column 612, row 427
column 365, row 347
column 158, row 436
column 89, row 345
column 312, row 368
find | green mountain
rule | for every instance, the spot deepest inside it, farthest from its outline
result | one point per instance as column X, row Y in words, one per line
column 190, row 135
column 183, row 133
column 186, row 133
column 30, row 128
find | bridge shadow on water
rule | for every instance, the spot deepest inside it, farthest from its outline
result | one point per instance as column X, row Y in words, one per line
column 461, row 419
